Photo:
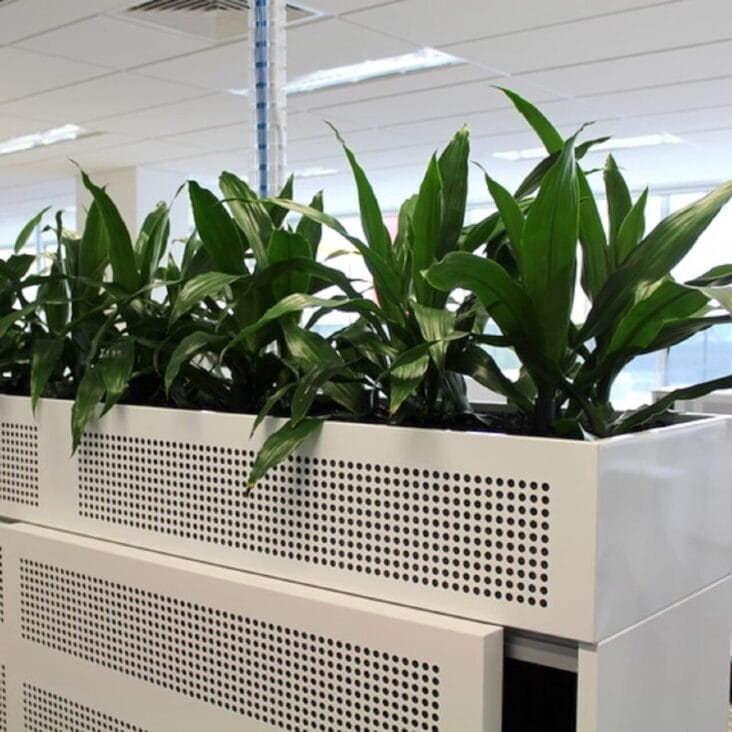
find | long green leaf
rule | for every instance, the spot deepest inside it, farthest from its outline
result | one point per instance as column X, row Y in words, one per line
column 550, row 252
column 90, row 392
column 46, row 356
column 28, row 229
column 547, row 133
column 120, row 251
column 285, row 246
column 512, row 215
column 152, row 241
column 453, row 164
column 250, row 214
column 435, row 324
column 281, row 444
column 218, row 233
column 427, row 224
column 185, row 350
column 115, row 368
column 593, row 240
column 653, row 259
column 374, row 229
column 619, row 201
column 631, row 229
column 197, row 289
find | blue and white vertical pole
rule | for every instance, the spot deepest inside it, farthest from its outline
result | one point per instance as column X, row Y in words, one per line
column 267, row 94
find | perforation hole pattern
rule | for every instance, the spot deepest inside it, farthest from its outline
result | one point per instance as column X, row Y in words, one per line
column 469, row 534
column 44, row 711
column 3, row 702
column 19, row 463
column 279, row 675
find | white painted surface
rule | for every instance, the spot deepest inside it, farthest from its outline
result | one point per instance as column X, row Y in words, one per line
column 668, row 673
column 166, row 644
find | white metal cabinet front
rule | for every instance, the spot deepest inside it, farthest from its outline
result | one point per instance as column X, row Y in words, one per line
column 165, row 644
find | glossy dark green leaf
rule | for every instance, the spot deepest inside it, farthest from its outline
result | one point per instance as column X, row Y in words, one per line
column 653, row 259
column 427, row 224
column 270, row 404
column 631, row 230
column 209, row 284
column 644, row 321
column 310, row 384
column 511, row 215
column 94, row 246
column 88, row 396
column 250, row 214
column 285, row 246
column 121, row 253
column 593, row 240
column 277, row 214
column 547, row 133
column 28, row 229
column 453, row 164
column 46, row 356
column 115, row 369
column 191, row 345
column 311, row 230
column 372, row 222
column 635, row 418
column 619, row 201
column 435, row 324
column 550, row 252
column 281, row 444
column 218, row 233
column 473, row 361
column 152, row 242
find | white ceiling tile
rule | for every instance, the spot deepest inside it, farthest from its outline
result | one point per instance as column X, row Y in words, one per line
column 567, row 115
column 341, row 7
column 214, row 138
column 470, row 98
column 681, row 122
column 665, row 26
column 310, row 151
column 24, row 73
column 668, row 99
column 141, row 152
column 110, row 95
column 304, row 125
column 200, row 113
column 16, row 126
column 114, row 43
column 388, row 87
column 329, row 43
column 209, row 164
column 29, row 17
column 649, row 70
column 218, row 69
column 428, row 23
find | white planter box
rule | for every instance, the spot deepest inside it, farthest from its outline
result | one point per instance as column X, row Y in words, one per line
column 123, row 639
column 577, row 540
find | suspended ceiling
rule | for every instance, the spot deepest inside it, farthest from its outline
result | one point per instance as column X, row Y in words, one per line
column 158, row 97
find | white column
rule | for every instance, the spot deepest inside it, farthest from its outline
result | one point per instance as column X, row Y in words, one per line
column 136, row 192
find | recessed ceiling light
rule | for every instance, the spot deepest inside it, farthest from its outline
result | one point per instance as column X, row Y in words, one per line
column 40, row 139
column 618, row 143
column 314, row 172
column 425, row 58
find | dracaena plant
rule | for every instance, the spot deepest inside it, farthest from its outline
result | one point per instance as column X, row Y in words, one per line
column 637, row 307
column 246, row 281
column 408, row 349
column 100, row 322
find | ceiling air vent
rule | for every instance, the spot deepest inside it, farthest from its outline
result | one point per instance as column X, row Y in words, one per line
column 215, row 20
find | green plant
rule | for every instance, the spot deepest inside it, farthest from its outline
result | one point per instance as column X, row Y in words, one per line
column 636, row 305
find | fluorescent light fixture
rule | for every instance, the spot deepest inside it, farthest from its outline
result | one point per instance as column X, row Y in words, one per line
column 39, row 139
column 425, row 58
column 314, row 172
column 618, row 143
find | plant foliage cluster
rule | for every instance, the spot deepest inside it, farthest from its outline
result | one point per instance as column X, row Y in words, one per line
column 234, row 323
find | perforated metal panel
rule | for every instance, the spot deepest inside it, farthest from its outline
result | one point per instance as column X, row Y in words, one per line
column 3, row 701
column 44, row 711
column 2, row 604
column 19, row 463
column 480, row 535
column 278, row 675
